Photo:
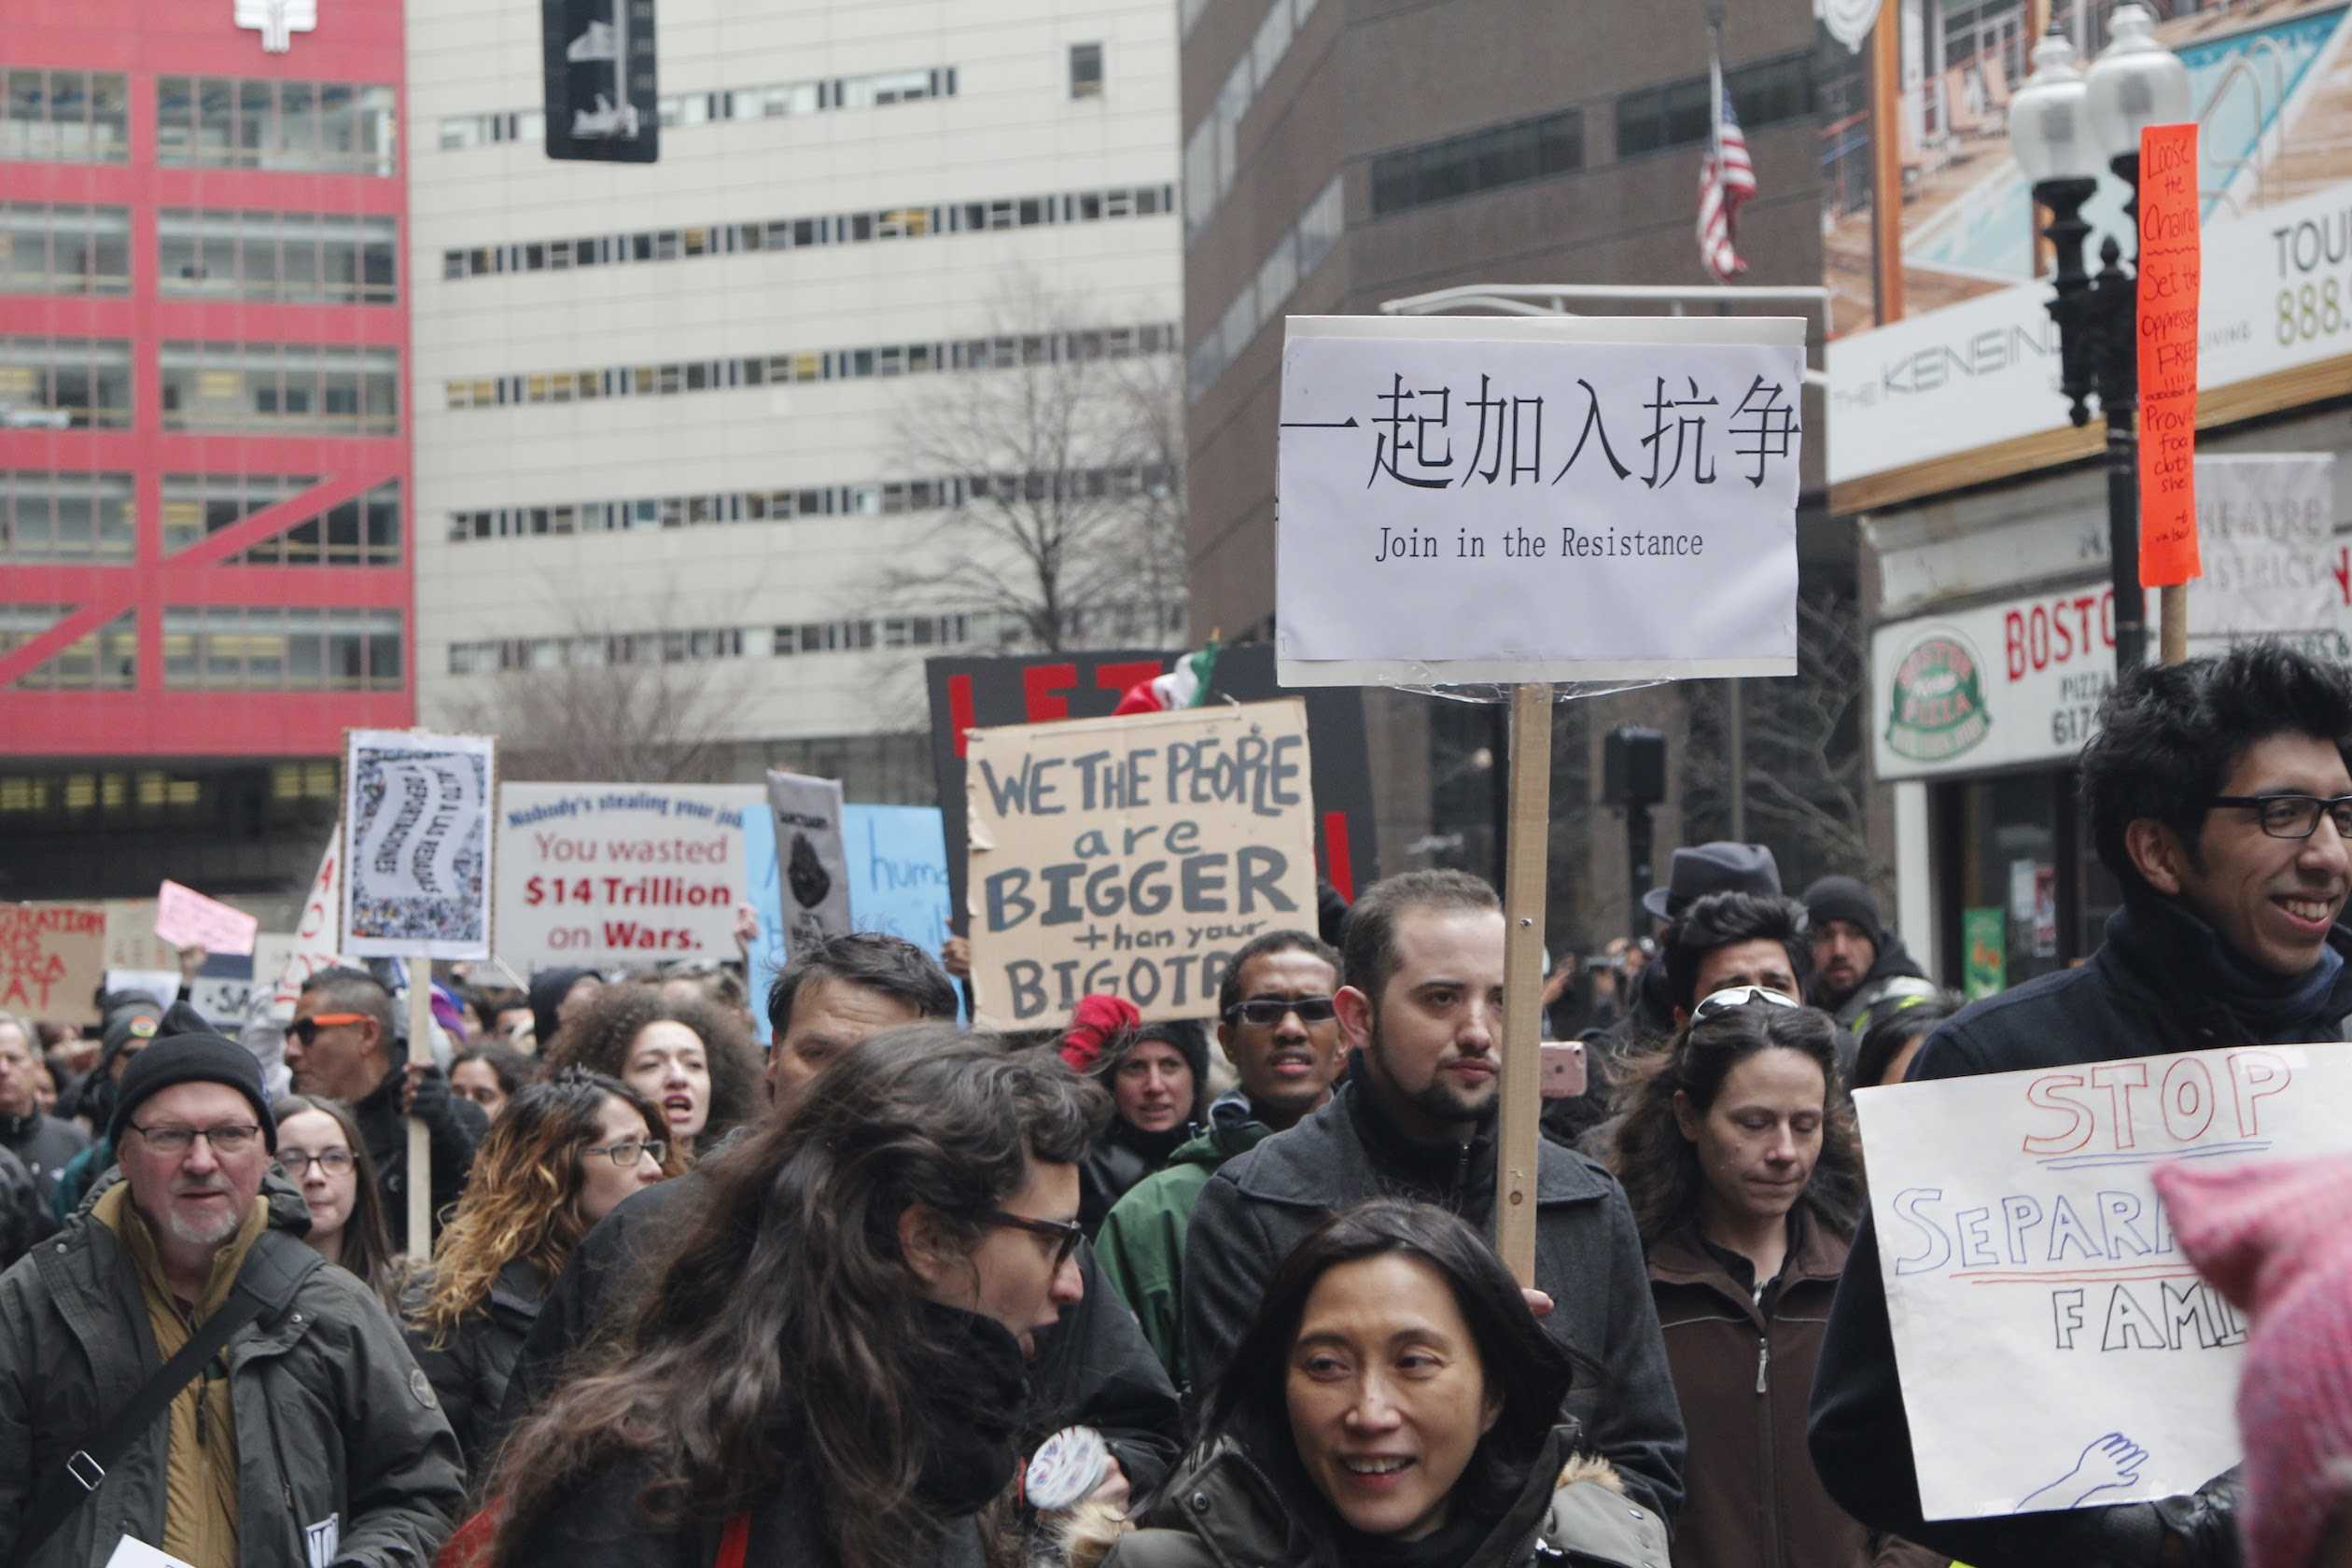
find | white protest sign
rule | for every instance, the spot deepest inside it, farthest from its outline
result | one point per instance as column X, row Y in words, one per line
column 416, row 842
column 1132, row 856
column 2266, row 530
column 2056, row 1350
column 599, row 874
column 281, row 964
column 187, row 918
column 1469, row 500
column 810, row 854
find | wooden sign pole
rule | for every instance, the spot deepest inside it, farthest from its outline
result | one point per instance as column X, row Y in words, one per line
column 420, row 1142
column 1525, row 875
column 2172, row 610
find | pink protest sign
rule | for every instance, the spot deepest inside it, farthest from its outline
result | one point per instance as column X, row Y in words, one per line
column 187, row 918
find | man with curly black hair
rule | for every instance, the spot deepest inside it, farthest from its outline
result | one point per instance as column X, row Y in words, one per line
column 2220, row 797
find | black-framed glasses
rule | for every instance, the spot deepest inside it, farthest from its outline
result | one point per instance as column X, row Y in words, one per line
column 626, row 1152
column 1724, row 1000
column 231, row 1139
column 1265, row 1010
column 294, row 1164
column 2293, row 815
column 1066, row 1234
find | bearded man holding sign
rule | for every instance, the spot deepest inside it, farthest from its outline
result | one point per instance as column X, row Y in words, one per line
column 2220, row 797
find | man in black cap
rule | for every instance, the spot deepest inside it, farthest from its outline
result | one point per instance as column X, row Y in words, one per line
column 1861, row 973
column 1720, row 867
column 360, row 1466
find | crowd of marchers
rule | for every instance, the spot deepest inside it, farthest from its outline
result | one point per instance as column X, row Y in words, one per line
column 896, row 1290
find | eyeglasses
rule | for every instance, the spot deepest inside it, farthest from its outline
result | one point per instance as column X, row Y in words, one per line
column 626, row 1152
column 1066, row 1235
column 2293, row 815
column 1262, row 1010
column 231, row 1139
column 295, row 1163
column 1724, row 1000
column 306, row 1030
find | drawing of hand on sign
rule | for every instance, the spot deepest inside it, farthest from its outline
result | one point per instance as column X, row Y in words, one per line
column 2108, row 1463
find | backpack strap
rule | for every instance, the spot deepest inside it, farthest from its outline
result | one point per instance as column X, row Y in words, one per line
column 87, row 1467
column 735, row 1541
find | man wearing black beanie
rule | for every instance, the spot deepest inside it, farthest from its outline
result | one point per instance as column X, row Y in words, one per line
column 360, row 1466
column 1861, row 971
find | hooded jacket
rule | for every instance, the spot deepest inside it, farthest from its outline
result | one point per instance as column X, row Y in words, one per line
column 1123, row 1154
column 1092, row 1367
column 1742, row 1369
column 1587, row 1259
column 45, row 1145
column 469, row 1372
column 1895, row 980
column 2156, row 984
column 1225, row 1510
column 343, row 1457
column 1142, row 1244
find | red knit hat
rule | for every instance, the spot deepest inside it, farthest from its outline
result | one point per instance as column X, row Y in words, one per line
column 1097, row 1021
column 2276, row 1237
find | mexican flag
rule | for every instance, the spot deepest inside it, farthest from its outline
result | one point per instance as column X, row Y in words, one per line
column 1185, row 686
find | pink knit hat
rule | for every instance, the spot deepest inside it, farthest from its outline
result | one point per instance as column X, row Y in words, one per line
column 2276, row 1237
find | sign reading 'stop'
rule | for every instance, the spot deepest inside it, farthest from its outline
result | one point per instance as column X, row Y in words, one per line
column 1466, row 499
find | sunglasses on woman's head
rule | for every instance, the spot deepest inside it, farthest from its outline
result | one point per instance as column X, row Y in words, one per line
column 1724, row 1000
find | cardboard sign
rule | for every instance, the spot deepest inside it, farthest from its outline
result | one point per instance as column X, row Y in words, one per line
column 1133, row 856
column 813, row 867
column 417, row 844
column 2170, row 281
column 52, row 957
column 1041, row 688
column 1467, row 500
column 606, row 873
column 185, row 917
column 2020, row 1235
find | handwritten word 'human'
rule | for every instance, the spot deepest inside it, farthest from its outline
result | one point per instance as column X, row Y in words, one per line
column 1500, row 436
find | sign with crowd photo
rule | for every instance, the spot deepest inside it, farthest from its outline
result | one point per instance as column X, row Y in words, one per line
column 1133, row 855
column 52, row 957
column 1466, row 500
column 1037, row 689
column 2018, row 1228
column 618, row 874
column 417, row 844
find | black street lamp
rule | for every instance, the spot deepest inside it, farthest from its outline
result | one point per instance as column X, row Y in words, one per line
column 2060, row 123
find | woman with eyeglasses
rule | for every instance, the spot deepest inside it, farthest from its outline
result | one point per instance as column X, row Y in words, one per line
column 1394, row 1404
column 565, row 1153
column 1158, row 1078
column 320, row 1150
column 831, row 1370
column 1739, row 1154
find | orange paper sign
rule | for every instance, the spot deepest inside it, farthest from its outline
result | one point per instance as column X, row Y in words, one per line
column 2171, row 271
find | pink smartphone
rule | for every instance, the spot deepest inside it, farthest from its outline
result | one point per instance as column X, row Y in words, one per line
column 1563, row 1075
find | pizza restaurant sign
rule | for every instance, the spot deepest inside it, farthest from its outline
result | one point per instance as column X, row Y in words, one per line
column 1992, row 687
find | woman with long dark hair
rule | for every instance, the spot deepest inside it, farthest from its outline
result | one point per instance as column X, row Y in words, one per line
column 320, row 1150
column 694, row 1062
column 831, row 1369
column 1738, row 1154
column 565, row 1153
column 1394, row 1403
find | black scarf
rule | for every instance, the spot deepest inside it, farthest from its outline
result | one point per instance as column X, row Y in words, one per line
column 2178, row 955
column 1447, row 1172
column 974, row 1388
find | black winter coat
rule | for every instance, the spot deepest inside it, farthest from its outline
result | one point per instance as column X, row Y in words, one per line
column 1093, row 1368
column 457, row 1124
column 2146, row 991
column 1587, row 1259
column 45, row 1145
column 469, row 1374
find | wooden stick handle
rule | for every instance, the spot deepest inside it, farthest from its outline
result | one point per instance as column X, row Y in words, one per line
column 1523, row 889
column 420, row 1142
column 2172, row 610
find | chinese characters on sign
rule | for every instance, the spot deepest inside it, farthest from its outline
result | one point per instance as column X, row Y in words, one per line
column 1470, row 499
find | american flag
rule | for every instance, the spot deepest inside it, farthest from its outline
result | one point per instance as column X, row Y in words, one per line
column 1725, row 181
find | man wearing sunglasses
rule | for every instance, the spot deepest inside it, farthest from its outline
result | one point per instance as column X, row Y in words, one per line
column 1422, row 1009
column 308, row 1436
column 2219, row 799
column 1279, row 1025
column 344, row 1044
